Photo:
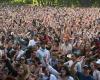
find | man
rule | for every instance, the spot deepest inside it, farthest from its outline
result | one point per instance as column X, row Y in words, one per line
column 97, row 41
column 23, row 70
column 43, row 54
column 66, row 47
column 96, row 72
column 85, row 74
column 9, row 66
column 78, row 65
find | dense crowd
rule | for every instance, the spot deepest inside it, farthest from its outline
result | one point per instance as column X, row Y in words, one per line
column 47, row 43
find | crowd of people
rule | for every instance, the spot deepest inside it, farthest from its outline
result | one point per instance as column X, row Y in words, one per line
column 49, row 43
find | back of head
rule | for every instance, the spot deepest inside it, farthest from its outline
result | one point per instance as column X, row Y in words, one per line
column 10, row 78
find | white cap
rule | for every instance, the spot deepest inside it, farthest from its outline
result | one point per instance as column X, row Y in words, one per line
column 98, row 61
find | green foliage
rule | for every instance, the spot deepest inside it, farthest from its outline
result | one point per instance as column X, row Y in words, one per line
column 29, row 1
column 69, row 3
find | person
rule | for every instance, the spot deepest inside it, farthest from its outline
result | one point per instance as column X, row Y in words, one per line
column 19, row 53
column 70, row 62
column 43, row 54
column 66, row 48
column 85, row 75
column 96, row 72
column 23, row 70
column 10, row 78
column 72, row 58
column 66, row 74
column 9, row 66
column 66, row 31
column 52, row 70
column 44, row 75
column 2, row 73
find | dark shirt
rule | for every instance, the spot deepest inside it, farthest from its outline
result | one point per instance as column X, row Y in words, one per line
column 81, row 76
column 12, row 71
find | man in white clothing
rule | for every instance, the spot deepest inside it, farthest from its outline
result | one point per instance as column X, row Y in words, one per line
column 96, row 73
column 66, row 48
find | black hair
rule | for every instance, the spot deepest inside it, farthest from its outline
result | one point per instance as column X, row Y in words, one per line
column 37, row 60
column 68, row 73
column 98, row 32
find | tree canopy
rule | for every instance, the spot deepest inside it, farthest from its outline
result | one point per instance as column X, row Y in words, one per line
column 68, row 3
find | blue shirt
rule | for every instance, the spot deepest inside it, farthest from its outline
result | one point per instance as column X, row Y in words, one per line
column 81, row 76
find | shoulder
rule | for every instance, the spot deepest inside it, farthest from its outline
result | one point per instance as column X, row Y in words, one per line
column 53, row 77
column 70, row 78
column 91, row 78
column 47, row 51
column 39, row 50
column 79, row 73
column 31, row 40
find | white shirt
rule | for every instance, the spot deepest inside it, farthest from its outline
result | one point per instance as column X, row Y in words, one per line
column 96, row 75
column 69, row 63
column 70, row 78
column 53, row 77
column 78, row 67
column 20, row 54
column 52, row 70
column 32, row 42
column 66, row 48
column 43, row 54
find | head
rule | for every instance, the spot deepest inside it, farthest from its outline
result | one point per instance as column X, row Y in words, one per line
column 45, row 70
column 98, row 34
column 65, row 71
column 98, row 64
column 20, row 70
column 86, row 69
column 42, row 45
column 10, row 78
column 75, row 56
column 22, row 60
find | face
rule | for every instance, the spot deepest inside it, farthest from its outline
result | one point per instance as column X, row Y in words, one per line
column 98, row 35
column 93, row 66
column 86, row 71
column 73, row 57
column 43, row 46
column 63, row 72
column 22, row 61
column 20, row 70
column 46, row 71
